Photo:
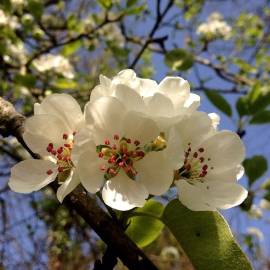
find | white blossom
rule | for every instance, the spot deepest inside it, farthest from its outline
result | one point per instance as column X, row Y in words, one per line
column 56, row 63
column 50, row 133
column 8, row 20
column 165, row 103
column 128, row 157
column 214, row 27
column 264, row 204
column 253, row 231
column 255, row 212
column 211, row 167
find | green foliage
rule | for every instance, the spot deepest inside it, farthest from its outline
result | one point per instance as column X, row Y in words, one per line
column 255, row 167
column 36, row 8
column 205, row 237
column 25, row 80
column 105, row 3
column 179, row 59
column 262, row 117
column 219, row 101
column 145, row 225
column 242, row 106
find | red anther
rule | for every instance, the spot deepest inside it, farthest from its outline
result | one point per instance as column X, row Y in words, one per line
column 107, row 142
column 205, row 167
column 116, row 137
column 67, row 145
column 195, row 155
column 136, row 142
column 65, row 136
column 102, row 167
column 50, row 145
column 128, row 140
column 140, row 154
column 201, row 149
column 111, row 171
column 60, row 150
column 53, row 152
column 201, row 159
column 49, row 172
column 114, row 147
column 59, row 157
column 60, row 169
column 121, row 164
column 49, row 149
column 112, row 159
column 100, row 154
column 188, row 167
column 74, row 133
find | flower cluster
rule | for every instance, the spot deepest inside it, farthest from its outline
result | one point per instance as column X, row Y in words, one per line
column 57, row 63
column 135, row 138
column 215, row 27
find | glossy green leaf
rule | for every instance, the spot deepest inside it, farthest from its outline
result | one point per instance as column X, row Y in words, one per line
column 65, row 84
column 219, row 101
column 262, row 117
column 36, row 8
column 145, row 225
column 255, row 167
column 205, row 237
column 105, row 3
column 242, row 106
column 179, row 59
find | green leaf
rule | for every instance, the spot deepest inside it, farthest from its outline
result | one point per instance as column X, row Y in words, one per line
column 71, row 48
column 105, row 3
column 25, row 80
column 205, row 237
column 242, row 106
column 179, row 59
column 219, row 101
column 131, row 3
column 255, row 167
column 262, row 117
column 145, row 225
column 65, row 84
column 36, row 8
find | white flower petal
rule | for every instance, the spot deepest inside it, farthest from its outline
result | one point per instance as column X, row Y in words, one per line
column 160, row 105
column 138, row 127
column 225, row 149
column 88, row 168
column 148, row 87
column 176, row 88
column 155, row 173
column 223, row 195
column 123, row 194
column 215, row 119
column 129, row 97
column 31, row 175
column 68, row 186
column 100, row 91
column 192, row 102
column 64, row 107
column 40, row 130
column 194, row 128
column 192, row 197
column 106, row 115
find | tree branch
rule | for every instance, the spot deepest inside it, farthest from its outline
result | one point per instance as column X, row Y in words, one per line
column 11, row 123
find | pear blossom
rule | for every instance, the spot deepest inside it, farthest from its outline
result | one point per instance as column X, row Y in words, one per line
column 253, row 231
column 165, row 103
column 8, row 20
column 50, row 133
column 57, row 63
column 207, row 179
column 215, row 27
column 264, row 204
column 127, row 156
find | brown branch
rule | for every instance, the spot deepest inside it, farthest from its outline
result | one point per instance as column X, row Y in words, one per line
column 11, row 123
column 159, row 18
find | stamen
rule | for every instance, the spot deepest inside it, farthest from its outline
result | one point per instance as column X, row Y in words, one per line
column 49, row 172
column 107, row 142
column 116, row 137
column 65, row 136
column 201, row 150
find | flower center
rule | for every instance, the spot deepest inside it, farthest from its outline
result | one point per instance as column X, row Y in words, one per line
column 122, row 154
column 62, row 154
column 195, row 166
